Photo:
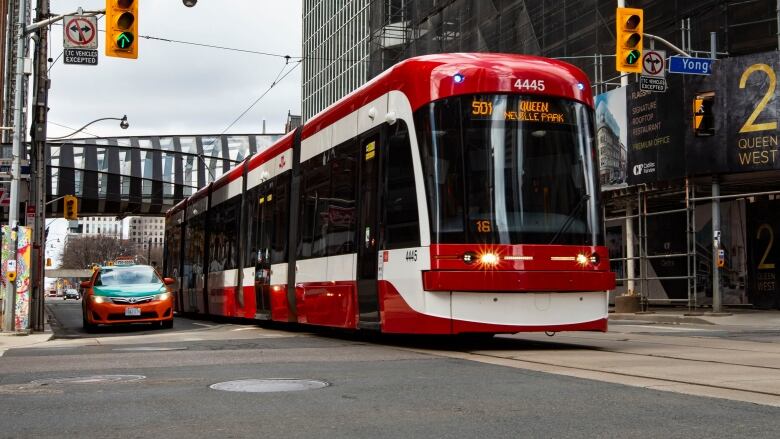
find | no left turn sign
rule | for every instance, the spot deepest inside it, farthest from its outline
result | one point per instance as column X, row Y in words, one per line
column 654, row 63
column 80, row 32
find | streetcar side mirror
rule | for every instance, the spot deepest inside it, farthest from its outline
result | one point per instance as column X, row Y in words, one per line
column 169, row 281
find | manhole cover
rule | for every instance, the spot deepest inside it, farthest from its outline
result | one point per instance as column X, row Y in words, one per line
column 269, row 385
column 91, row 379
column 148, row 349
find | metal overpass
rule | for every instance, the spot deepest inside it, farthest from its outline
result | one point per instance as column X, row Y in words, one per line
column 124, row 176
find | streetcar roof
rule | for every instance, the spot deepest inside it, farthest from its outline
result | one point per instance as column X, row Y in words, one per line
column 427, row 78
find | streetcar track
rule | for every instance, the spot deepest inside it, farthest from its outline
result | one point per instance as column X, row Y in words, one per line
column 667, row 343
column 627, row 375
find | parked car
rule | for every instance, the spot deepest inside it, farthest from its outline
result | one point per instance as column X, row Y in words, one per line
column 72, row 293
column 127, row 293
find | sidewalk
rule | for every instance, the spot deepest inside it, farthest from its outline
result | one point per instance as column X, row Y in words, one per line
column 12, row 340
column 763, row 319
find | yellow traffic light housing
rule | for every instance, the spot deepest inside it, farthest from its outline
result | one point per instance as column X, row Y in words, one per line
column 70, row 207
column 703, row 117
column 122, row 28
column 629, row 35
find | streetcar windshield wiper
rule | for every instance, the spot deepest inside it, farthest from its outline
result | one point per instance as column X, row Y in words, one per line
column 570, row 218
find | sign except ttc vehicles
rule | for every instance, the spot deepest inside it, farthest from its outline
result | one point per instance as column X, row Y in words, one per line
column 653, row 72
column 79, row 40
column 690, row 66
column 653, row 63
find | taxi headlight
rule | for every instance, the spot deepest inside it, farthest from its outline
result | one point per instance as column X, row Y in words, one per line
column 99, row 299
column 163, row 296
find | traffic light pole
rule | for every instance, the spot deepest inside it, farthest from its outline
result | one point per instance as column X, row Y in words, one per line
column 9, row 303
column 40, row 102
column 24, row 30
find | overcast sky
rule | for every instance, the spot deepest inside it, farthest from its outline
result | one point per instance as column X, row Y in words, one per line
column 175, row 88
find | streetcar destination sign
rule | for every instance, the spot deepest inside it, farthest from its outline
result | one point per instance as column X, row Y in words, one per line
column 690, row 66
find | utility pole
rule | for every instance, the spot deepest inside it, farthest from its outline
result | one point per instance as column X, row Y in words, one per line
column 18, row 140
column 38, row 165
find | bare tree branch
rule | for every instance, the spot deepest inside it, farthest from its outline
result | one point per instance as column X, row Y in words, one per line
column 83, row 251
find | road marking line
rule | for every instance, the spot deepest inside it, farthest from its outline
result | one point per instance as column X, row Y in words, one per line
column 203, row 324
column 243, row 329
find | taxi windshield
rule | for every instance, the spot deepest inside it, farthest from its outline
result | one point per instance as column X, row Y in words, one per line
column 127, row 276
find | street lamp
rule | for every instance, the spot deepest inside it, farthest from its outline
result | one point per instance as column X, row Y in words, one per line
column 123, row 123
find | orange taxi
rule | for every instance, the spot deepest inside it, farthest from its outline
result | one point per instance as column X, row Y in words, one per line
column 126, row 293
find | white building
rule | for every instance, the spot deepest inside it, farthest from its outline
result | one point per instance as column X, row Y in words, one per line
column 335, row 51
column 142, row 230
column 146, row 230
column 101, row 225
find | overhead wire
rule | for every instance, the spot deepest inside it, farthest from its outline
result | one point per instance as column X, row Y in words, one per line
column 273, row 84
column 279, row 77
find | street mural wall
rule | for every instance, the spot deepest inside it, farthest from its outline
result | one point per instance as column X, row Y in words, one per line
column 23, row 290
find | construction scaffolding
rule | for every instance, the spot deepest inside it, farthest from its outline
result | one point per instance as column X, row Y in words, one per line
column 673, row 253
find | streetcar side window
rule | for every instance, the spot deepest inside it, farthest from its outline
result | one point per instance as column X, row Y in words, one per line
column 341, row 210
column 194, row 249
column 282, row 222
column 401, row 221
column 314, row 206
column 223, row 229
column 253, row 218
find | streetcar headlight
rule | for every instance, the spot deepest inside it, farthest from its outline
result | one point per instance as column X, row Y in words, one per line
column 469, row 258
column 458, row 78
column 595, row 259
column 583, row 260
column 489, row 259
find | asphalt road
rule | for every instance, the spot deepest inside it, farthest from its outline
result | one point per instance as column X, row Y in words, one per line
column 385, row 387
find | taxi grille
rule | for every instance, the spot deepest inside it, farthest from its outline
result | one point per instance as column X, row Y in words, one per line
column 132, row 300
column 144, row 315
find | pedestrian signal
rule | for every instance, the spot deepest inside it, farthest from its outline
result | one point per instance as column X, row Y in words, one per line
column 628, row 47
column 122, row 28
column 703, row 117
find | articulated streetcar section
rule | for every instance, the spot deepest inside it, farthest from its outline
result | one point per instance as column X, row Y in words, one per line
column 454, row 193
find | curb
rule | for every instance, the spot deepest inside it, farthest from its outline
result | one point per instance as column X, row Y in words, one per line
column 660, row 318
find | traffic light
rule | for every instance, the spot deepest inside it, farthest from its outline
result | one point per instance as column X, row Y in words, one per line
column 628, row 51
column 122, row 28
column 703, row 117
column 71, row 207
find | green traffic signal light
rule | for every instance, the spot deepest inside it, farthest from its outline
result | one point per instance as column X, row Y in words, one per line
column 125, row 40
column 629, row 28
column 633, row 57
column 121, row 28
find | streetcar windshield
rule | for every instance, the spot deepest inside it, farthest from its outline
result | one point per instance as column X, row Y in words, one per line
column 510, row 169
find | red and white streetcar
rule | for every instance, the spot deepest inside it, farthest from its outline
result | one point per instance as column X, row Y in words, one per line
column 453, row 193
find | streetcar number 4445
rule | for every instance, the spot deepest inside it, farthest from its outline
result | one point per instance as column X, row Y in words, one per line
column 530, row 84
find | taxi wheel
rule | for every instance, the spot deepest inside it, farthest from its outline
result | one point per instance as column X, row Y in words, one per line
column 88, row 327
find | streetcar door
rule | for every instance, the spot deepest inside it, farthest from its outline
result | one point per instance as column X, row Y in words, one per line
column 264, row 228
column 367, row 230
